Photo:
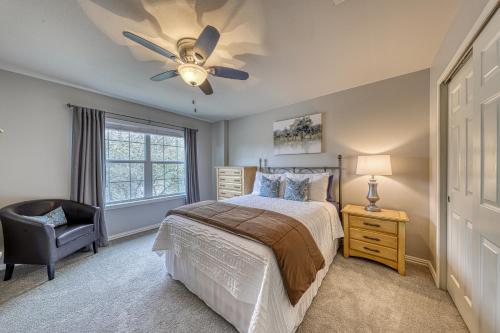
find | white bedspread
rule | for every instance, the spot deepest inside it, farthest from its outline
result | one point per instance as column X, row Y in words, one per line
column 239, row 278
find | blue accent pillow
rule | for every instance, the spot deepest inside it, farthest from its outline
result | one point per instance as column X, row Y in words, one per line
column 54, row 218
column 296, row 189
column 269, row 187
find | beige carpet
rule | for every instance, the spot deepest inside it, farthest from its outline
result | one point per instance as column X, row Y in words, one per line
column 125, row 289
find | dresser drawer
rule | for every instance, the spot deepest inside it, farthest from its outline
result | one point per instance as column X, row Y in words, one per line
column 230, row 186
column 229, row 179
column 374, row 237
column 375, row 250
column 373, row 224
column 225, row 194
column 229, row 172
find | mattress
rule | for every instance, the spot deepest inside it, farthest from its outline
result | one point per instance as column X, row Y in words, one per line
column 239, row 278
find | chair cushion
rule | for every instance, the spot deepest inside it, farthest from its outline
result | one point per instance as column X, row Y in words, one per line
column 70, row 232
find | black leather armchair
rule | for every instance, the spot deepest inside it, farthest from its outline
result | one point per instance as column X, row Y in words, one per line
column 29, row 242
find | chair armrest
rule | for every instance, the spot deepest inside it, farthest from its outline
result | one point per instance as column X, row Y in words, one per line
column 27, row 241
column 77, row 213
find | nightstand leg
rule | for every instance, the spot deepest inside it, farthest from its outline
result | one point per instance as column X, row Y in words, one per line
column 345, row 220
column 401, row 249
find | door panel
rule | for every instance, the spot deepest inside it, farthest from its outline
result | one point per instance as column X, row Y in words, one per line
column 460, row 189
column 489, row 269
column 489, row 152
column 486, row 176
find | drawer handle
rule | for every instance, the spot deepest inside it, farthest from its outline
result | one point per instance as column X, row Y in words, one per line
column 372, row 224
column 372, row 238
column 369, row 249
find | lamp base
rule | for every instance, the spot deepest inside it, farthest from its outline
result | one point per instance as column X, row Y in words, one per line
column 372, row 208
column 372, row 196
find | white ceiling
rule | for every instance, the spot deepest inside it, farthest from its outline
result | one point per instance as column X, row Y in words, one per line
column 294, row 50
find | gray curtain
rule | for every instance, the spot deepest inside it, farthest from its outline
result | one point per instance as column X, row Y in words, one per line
column 87, row 167
column 192, row 185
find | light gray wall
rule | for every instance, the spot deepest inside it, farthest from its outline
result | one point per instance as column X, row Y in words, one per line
column 219, row 148
column 35, row 150
column 466, row 16
column 390, row 116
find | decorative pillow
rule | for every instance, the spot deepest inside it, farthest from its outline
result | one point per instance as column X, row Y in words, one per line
column 318, row 184
column 296, row 189
column 269, row 187
column 54, row 218
column 274, row 176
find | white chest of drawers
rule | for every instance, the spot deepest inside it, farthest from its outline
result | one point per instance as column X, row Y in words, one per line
column 234, row 181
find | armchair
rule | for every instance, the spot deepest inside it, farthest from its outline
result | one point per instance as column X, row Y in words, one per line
column 29, row 242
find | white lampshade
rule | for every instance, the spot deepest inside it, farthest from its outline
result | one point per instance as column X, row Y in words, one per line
column 192, row 74
column 377, row 165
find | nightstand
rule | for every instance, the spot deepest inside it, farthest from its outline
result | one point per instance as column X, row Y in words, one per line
column 379, row 236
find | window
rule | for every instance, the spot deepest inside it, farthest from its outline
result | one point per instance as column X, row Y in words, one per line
column 143, row 162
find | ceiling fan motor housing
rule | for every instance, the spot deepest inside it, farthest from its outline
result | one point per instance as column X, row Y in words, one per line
column 185, row 47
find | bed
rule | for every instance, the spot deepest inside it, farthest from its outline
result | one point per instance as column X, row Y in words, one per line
column 238, row 277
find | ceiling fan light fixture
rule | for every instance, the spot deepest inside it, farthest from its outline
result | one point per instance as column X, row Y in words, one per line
column 192, row 74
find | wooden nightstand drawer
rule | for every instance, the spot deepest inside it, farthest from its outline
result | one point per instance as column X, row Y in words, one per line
column 374, row 237
column 230, row 186
column 229, row 172
column 373, row 224
column 375, row 250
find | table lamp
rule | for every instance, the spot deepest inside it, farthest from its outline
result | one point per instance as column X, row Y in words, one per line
column 374, row 165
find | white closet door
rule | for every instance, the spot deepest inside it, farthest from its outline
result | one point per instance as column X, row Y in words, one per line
column 460, row 190
column 486, row 156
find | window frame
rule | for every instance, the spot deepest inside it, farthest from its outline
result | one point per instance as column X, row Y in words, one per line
column 147, row 130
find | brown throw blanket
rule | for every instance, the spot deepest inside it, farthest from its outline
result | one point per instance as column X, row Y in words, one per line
column 297, row 254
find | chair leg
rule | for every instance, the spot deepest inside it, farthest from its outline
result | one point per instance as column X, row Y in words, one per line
column 9, row 269
column 51, row 271
column 94, row 246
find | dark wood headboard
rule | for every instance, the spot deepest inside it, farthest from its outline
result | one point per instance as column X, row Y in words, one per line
column 336, row 171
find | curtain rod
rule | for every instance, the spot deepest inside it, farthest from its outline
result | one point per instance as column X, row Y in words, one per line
column 69, row 105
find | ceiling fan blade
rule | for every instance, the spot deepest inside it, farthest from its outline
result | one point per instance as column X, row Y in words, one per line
column 165, row 75
column 206, row 88
column 205, row 44
column 153, row 47
column 229, row 73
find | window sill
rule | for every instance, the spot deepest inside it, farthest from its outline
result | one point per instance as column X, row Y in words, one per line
column 143, row 202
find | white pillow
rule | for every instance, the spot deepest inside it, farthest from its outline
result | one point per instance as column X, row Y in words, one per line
column 273, row 176
column 318, row 184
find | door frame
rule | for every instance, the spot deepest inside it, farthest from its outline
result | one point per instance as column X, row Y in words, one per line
column 459, row 58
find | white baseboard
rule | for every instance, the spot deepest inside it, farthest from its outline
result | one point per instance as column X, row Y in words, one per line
column 133, row 232
column 426, row 263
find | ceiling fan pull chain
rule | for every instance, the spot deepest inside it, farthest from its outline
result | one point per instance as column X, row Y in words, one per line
column 194, row 106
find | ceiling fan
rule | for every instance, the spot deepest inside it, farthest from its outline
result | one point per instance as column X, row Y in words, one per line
column 193, row 54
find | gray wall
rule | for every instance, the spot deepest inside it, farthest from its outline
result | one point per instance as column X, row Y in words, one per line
column 219, row 148
column 390, row 116
column 462, row 23
column 35, row 149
